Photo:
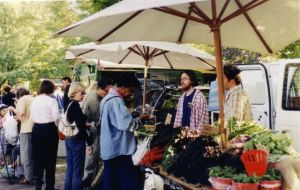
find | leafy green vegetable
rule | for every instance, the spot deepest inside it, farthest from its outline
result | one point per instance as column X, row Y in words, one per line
column 274, row 143
column 224, row 172
column 247, row 128
column 232, row 123
column 271, row 175
column 243, row 178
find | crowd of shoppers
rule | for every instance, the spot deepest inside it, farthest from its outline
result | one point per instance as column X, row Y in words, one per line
column 105, row 137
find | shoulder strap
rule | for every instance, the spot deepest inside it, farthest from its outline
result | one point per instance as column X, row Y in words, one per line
column 66, row 113
column 68, row 107
column 105, row 103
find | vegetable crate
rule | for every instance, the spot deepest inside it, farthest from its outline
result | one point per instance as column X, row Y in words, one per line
column 255, row 162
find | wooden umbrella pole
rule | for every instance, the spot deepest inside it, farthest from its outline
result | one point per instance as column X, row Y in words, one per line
column 219, row 65
column 145, row 86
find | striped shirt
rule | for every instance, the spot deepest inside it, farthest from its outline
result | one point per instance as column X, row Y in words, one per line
column 199, row 111
column 237, row 105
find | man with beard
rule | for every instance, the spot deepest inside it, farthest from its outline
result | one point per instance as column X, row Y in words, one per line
column 192, row 109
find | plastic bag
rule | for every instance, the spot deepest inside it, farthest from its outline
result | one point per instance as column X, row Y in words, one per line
column 10, row 127
column 153, row 181
column 142, row 149
column 6, row 171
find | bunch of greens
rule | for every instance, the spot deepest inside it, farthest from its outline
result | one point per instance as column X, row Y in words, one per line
column 244, row 178
column 274, row 143
column 246, row 128
column 232, row 124
column 223, row 172
column 271, row 175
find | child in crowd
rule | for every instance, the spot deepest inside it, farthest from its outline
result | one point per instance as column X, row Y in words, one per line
column 3, row 111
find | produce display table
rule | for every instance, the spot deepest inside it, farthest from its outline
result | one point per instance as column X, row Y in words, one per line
column 185, row 185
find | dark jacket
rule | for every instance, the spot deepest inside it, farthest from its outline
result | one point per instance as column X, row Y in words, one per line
column 8, row 99
column 75, row 114
column 66, row 99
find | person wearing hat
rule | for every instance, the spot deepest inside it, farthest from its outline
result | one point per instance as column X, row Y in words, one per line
column 236, row 101
column 117, row 141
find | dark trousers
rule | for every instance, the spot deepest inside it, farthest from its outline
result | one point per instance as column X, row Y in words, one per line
column 75, row 163
column 44, row 148
column 121, row 174
column 93, row 162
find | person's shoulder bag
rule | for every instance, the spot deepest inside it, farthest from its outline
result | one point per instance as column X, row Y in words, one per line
column 65, row 127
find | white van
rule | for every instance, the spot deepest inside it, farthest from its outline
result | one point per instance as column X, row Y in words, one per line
column 274, row 93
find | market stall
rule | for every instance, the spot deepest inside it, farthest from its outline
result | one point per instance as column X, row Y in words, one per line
column 255, row 158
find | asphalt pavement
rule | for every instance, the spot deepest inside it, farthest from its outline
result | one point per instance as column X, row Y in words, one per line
column 59, row 179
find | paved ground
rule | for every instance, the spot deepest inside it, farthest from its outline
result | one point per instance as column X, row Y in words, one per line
column 4, row 185
column 59, row 179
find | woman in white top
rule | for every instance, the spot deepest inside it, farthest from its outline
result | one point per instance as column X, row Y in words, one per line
column 45, row 114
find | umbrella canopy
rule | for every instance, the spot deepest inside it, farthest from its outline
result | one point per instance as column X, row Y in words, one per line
column 158, row 54
column 263, row 26
column 149, row 54
column 257, row 25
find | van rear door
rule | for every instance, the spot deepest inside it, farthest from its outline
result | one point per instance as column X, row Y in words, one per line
column 256, row 84
column 288, row 104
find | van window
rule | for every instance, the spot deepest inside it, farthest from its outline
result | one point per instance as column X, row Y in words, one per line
column 253, row 82
column 291, row 87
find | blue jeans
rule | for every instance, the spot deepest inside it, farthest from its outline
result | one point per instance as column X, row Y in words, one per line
column 75, row 163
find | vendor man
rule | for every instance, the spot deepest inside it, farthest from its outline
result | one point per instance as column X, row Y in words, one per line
column 236, row 102
column 192, row 106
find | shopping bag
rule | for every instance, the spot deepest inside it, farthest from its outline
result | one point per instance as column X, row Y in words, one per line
column 142, row 149
column 153, row 181
column 10, row 127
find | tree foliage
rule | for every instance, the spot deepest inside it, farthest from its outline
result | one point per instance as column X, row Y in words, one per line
column 92, row 6
column 29, row 53
column 27, row 50
column 291, row 51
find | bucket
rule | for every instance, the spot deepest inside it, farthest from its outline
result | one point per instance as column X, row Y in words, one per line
column 270, row 185
column 245, row 186
column 219, row 183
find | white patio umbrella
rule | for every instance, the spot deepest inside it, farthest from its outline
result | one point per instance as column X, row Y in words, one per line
column 148, row 54
column 264, row 26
